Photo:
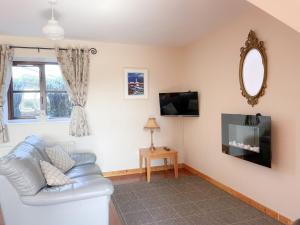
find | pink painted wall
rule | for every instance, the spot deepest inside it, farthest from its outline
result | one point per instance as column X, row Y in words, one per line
column 211, row 67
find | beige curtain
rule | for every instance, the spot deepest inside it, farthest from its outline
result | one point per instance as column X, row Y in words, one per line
column 6, row 58
column 74, row 64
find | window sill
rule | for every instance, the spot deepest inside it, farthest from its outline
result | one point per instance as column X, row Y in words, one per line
column 36, row 121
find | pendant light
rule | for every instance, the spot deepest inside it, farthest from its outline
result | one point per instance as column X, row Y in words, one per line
column 53, row 30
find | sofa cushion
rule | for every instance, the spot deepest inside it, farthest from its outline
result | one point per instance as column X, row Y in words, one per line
column 53, row 176
column 22, row 168
column 39, row 144
column 60, row 158
column 83, row 188
column 84, row 170
column 83, row 158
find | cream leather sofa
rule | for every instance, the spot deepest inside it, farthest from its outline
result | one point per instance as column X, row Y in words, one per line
column 26, row 199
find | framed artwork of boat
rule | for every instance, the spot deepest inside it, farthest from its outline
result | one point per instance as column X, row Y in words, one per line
column 135, row 83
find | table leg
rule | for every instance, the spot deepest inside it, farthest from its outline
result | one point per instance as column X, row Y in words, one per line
column 166, row 164
column 175, row 166
column 141, row 164
column 148, row 169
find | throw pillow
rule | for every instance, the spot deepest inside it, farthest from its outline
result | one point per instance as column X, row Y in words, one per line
column 60, row 158
column 53, row 176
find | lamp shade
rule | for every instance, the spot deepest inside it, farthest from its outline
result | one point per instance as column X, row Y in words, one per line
column 151, row 124
column 53, row 30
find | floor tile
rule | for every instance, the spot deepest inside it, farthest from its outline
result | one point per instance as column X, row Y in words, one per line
column 247, row 213
column 154, row 202
column 165, row 190
column 163, row 213
column 125, row 197
column 144, row 193
column 185, row 187
column 121, row 189
column 131, row 206
column 196, row 196
column 226, row 217
column 174, row 199
column 202, row 220
column 186, row 209
column 210, row 205
column 177, row 221
column 138, row 218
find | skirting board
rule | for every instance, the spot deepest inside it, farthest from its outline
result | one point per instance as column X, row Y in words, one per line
column 137, row 171
column 242, row 197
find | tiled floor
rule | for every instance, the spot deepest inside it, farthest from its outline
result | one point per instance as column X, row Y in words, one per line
column 188, row 200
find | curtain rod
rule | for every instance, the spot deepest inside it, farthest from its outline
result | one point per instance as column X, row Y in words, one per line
column 93, row 51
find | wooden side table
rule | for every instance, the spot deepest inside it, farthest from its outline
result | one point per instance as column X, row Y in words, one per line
column 159, row 153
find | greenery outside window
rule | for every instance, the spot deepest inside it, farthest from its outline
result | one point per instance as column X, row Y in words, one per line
column 37, row 88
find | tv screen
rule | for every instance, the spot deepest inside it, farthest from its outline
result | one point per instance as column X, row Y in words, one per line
column 179, row 104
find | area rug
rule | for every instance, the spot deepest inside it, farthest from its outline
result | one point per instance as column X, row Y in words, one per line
column 188, row 200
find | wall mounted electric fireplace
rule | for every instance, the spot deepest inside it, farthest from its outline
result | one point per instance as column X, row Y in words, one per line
column 247, row 137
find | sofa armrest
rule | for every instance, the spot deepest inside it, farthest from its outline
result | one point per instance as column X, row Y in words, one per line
column 80, row 190
column 83, row 158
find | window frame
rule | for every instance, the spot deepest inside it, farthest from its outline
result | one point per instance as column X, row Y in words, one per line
column 43, row 91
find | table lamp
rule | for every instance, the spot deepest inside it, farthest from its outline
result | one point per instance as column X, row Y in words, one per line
column 152, row 125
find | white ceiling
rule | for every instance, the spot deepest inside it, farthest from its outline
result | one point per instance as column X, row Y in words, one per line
column 154, row 22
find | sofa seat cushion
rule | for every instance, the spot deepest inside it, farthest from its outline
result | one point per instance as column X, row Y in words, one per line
column 83, row 188
column 22, row 168
column 84, row 170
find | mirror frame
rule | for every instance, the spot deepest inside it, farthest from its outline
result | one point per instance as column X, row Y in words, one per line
column 253, row 43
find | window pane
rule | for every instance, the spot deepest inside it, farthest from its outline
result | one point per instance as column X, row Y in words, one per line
column 54, row 79
column 26, row 105
column 26, row 78
column 58, row 105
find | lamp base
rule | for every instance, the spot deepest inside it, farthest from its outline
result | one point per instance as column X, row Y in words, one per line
column 152, row 148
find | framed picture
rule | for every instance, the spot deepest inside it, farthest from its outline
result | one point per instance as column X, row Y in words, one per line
column 136, row 83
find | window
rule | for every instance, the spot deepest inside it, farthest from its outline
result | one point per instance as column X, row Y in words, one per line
column 36, row 87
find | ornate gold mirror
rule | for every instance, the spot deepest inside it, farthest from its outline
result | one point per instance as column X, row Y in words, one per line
column 253, row 69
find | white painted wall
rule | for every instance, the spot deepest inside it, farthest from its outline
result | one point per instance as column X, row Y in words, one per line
column 116, row 124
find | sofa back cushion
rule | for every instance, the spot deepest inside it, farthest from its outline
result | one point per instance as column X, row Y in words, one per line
column 22, row 168
column 39, row 144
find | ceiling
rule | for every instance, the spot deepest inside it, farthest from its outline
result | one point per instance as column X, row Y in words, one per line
column 154, row 22
column 285, row 11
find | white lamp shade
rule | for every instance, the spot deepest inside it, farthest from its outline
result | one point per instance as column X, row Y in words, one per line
column 53, row 30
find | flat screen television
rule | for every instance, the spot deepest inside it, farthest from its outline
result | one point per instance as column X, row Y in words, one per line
column 179, row 104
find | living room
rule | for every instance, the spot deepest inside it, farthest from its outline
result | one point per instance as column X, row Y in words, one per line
column 180, row 47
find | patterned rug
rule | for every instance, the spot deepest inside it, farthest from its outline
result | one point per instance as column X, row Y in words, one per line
column 188, row 200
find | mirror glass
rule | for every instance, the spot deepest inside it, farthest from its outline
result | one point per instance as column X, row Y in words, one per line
column 253, row 72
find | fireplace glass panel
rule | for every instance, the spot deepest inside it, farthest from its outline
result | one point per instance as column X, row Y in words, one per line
column 244, row 137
